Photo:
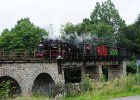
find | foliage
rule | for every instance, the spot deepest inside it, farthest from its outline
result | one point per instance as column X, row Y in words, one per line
column 107, row 13
column 107, row 26
column 130, row 37
column 105, row 23
column 113, row 52
column 131, row 67
column 134, row 36
column 33, row 98
column 5, row 88
column 87, row 84
column 24, row 36
column 123, row 86
column 105, row 34
column 68, row 28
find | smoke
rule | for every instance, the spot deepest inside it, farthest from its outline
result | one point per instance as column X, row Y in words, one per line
column 82, row 39
column 73, row 38
column 79, row 40
column 52, row 34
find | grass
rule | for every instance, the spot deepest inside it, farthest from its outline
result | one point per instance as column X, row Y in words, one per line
column 32, row 98
column 104, row 97
column 120, row 87
column 83, row 97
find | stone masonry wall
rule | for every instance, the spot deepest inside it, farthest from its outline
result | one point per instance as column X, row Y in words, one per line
column 114, row 71
column 92, row 71
column 26, row 73
column 117, row 71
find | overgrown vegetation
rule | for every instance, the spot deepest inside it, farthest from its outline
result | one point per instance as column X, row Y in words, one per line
column 5, row 88
column 33, row 98
column 100, row 90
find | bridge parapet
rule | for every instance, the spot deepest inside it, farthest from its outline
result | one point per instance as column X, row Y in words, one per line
column 26, row 56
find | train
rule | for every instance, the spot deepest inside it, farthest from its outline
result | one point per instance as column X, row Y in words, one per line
column 52, row 48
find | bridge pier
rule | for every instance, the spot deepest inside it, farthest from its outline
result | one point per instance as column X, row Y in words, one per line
column 115, row 71
column 96, row 71
column 83, row 73
column 100, row 69
column 26, row 89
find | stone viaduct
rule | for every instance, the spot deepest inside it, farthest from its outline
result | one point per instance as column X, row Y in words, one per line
column 25, row 74
column 30, row 76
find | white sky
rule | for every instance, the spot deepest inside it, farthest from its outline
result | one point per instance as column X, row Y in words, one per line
column 57, row 12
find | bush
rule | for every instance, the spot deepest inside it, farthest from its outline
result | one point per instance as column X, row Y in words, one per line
column 87, row 84
column 102, row 90
column 5, row 88
column 112, row 87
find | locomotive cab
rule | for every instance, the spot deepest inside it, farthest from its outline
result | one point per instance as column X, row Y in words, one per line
column 87, row 49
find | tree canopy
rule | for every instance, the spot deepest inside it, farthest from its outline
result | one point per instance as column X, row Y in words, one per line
column 104, row 22
column 130, row 37
column 107, row 13
column 23, row 36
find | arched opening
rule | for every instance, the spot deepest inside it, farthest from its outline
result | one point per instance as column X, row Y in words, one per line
column 41, row 85
column 72, row 75
column 15, row 89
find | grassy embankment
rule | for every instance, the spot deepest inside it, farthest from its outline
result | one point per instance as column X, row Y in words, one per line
column 32, row 98
column 120, row 87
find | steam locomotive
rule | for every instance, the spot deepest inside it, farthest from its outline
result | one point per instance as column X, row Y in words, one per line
column 50, row 48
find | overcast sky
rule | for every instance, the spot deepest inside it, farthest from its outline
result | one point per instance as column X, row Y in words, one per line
column 57, row 12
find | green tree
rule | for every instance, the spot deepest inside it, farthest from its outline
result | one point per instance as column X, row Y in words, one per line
column 136, row 35
column 24, row 36
column 130, row 36
column 106, row 13
column 105, row 22
column 84, row 27
column 68, row 28
column 126, row 37
column 105, row 34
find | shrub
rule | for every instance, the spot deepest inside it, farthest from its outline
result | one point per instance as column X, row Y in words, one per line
column 5, row 88
column 112, row 87
column 87, row 84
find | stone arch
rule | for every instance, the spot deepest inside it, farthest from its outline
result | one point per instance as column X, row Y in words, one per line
column 41, row 84
column 14, row 85
column 51, row 69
